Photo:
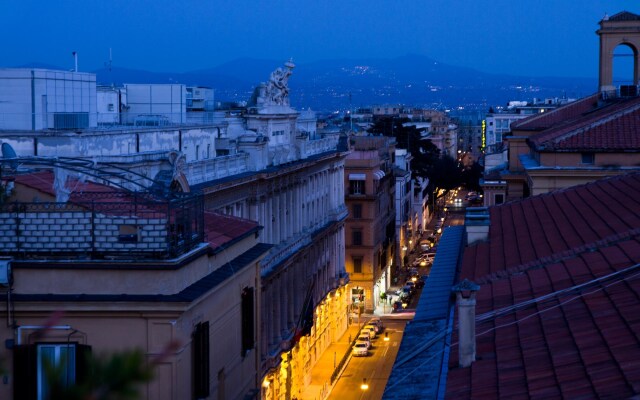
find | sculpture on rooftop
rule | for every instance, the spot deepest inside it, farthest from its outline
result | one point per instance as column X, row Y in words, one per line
column 277, row 89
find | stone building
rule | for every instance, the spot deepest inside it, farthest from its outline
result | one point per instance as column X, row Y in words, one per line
column 261, row 163
column 370, row 228
column 110, row 270
column 591, row 138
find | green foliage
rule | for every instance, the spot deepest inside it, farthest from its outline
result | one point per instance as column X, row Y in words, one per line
column 113, row 377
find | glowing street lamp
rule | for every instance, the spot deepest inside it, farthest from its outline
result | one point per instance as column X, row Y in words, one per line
column 364, row 386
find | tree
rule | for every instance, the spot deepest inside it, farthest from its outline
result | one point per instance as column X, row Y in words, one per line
column 471, row 177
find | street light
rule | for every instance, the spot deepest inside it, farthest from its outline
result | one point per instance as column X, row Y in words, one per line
column 386, row 336
column 364, row 386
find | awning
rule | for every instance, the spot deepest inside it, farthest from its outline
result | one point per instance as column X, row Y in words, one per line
column 357, row 177
column 378, row 175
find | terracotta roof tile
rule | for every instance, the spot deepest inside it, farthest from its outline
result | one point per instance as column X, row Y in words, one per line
column 582, row 344
column 612, row 127
column 557, row 116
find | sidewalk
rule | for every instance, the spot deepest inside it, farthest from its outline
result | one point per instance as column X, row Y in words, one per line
column 320, row 385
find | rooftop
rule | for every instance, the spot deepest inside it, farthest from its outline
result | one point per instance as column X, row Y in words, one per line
column 557, row 308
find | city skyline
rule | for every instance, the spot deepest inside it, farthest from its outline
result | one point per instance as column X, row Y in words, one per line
column 518, row 38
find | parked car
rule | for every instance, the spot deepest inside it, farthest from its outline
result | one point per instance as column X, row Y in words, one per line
column 371, row 329
column 377, row 321
column 360, row 349
column 375, row 325
column 365, row 335
column 364, row 339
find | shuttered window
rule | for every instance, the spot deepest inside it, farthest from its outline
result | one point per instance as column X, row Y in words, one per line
column 201, row 360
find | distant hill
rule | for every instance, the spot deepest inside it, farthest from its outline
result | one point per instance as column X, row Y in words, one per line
column 342, row 84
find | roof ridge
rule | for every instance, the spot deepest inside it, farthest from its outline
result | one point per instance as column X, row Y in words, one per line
column 560, row 256
column 567, row 106
column 591, row 125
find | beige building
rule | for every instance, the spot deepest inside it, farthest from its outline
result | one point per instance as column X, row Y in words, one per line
column 583, row 141
column 110, row 271
column 370, row 228
column 266, row 163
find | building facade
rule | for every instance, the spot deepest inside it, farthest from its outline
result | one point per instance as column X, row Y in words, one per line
column 261, row 163
column 109, row 270
column 370, row 228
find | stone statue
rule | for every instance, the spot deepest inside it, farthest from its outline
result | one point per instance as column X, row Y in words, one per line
column 277, row 89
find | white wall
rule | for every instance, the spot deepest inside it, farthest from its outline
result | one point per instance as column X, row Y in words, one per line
column 29, row 98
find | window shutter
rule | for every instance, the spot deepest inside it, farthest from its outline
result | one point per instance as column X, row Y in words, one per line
column 247, row 320
column 83, row 365
column 25, row 385
column 200, row 346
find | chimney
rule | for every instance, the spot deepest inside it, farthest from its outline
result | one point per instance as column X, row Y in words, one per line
column 466, row 300
column 477, row 224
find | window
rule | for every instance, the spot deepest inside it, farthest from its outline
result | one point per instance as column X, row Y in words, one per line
column 357, row 265
column 356, row 237
column 55, row 355
column 356, row 187
column 247, row 320
column 128, row 234
column 110, row 107
column 357, row 211
column 200, row 359
column 498, row 198
column 588, row 158
column 31, row 362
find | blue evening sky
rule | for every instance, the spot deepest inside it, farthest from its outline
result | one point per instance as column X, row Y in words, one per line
column 523, row 37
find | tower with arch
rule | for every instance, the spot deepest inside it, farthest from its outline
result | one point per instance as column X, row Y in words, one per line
column 622, row 28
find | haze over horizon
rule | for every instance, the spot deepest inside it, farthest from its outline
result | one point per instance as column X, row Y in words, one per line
column 525, row 38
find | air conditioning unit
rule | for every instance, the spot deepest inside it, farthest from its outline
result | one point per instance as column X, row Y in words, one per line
column 5, row 272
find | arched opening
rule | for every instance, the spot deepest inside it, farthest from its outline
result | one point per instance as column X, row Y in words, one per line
column 624, row 64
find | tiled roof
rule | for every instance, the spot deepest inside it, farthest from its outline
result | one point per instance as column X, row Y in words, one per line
column 614, row 127
column 220, row 229
column 560, row 115
column 586, row 124
column 580, row 343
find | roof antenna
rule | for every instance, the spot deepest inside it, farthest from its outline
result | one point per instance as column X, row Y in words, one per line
column 75, row 59
column 108, row 64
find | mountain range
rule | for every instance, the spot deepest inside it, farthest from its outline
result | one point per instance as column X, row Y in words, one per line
column 341, row 84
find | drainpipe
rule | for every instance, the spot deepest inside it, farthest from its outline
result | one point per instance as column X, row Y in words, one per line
column 466, row 300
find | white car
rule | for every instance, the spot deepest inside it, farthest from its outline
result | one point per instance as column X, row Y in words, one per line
column 364, row 339
column 371, row 329
column 360, row 349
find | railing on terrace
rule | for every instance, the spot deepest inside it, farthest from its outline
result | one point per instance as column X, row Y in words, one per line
column 103, row 225
column 97, row 120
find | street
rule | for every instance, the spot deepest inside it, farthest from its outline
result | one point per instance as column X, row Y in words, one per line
column 375, row 368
